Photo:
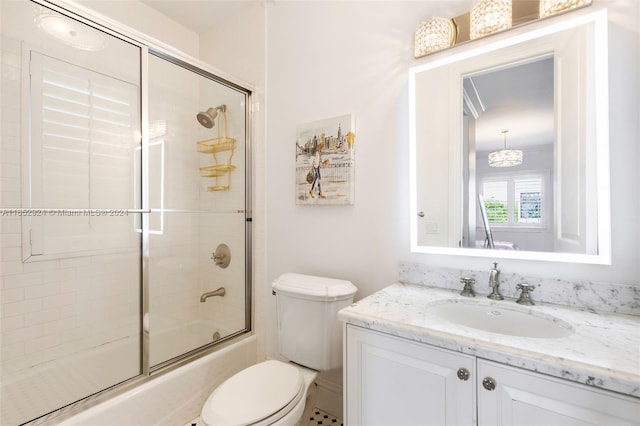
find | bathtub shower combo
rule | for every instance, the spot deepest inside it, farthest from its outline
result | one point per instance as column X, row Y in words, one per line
column 125, row 211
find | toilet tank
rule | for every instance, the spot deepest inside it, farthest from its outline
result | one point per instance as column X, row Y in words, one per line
column 309, row 332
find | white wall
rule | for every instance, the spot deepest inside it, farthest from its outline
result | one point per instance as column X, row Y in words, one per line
column 326, row 59
column 236, row 46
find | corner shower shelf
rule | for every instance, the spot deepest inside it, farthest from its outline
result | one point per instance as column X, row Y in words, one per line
column 219, row 169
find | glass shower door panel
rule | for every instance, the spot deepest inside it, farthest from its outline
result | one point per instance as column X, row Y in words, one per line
column 197, row 201
column 222, row 313
column 71, row 254
column 194, row 302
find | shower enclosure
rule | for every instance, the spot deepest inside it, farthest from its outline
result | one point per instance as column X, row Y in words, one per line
column 125, row 211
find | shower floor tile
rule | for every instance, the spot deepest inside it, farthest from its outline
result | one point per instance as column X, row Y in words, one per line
column 318, row 418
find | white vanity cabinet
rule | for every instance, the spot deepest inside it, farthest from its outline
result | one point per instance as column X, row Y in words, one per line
column 514, row 396
column 396, row 381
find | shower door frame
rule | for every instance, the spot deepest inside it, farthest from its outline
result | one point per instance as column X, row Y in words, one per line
column 248, row 220
column 149, row 46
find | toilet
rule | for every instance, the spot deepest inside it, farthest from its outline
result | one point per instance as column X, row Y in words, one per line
column 274, row 392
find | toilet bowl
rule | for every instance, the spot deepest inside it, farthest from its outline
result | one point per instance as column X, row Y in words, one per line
column 268, row 393
column 309, row 335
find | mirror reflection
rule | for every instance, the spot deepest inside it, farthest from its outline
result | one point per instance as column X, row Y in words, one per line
column 509, row 146
column 509, row 130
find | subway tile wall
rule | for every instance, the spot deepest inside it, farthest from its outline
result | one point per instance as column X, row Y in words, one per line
column 55, row 308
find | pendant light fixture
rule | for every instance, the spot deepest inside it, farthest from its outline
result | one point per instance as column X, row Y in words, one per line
column 505, row 157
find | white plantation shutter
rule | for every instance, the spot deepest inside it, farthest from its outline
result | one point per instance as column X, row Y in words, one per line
column 515, row 200
column 528, row 200
column 84, row 131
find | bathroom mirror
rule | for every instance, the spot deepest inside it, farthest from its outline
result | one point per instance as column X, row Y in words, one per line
column 542, row 92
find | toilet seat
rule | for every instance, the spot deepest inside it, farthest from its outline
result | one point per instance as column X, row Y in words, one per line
column 258, row 395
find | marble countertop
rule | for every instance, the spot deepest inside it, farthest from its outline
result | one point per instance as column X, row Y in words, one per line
column 604, row 350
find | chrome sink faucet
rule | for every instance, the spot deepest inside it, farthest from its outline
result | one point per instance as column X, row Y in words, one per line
column 494, row 283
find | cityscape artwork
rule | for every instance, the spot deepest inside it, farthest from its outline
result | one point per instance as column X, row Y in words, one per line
column 325, row 161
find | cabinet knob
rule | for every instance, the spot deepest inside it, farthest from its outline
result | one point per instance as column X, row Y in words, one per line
column 488, row 383
column 463, row 374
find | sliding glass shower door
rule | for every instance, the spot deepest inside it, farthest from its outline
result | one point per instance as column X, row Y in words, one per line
column 197, row 196
column 71, row 263
column 124, row 211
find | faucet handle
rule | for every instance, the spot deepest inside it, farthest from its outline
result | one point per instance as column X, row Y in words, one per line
column 525, row 296
column 222, row 256
column 467, row 291
column 525, row 287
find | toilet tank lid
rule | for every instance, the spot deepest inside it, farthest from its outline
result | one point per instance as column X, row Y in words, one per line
column 313, row 287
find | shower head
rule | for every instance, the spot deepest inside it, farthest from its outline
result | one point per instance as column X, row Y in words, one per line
column 207, row 118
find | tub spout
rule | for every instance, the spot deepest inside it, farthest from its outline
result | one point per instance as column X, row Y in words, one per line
column 219, row 292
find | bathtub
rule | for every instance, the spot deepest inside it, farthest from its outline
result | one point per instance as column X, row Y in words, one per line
column 50, row 385
column 174, row 341
column 172, row 398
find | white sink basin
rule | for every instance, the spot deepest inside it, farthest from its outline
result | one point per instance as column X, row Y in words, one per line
column 501, row 320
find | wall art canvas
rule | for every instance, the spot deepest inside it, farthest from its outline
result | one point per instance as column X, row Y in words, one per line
column 325, row 161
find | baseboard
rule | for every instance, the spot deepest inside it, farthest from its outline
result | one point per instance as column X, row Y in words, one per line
column 329, row 395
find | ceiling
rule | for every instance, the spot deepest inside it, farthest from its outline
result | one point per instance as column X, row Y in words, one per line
column 199, row 15
column 518, row 99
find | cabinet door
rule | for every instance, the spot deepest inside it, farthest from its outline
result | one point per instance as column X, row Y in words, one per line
column 393, row 381
column 523, row 398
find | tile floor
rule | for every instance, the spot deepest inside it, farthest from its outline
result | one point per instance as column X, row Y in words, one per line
column 318, row 418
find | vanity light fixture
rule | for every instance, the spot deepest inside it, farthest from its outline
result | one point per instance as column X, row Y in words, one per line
column 435, row 34
column 486, row 17
column 490, row 16
column 551, row 7
column 505, row 157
